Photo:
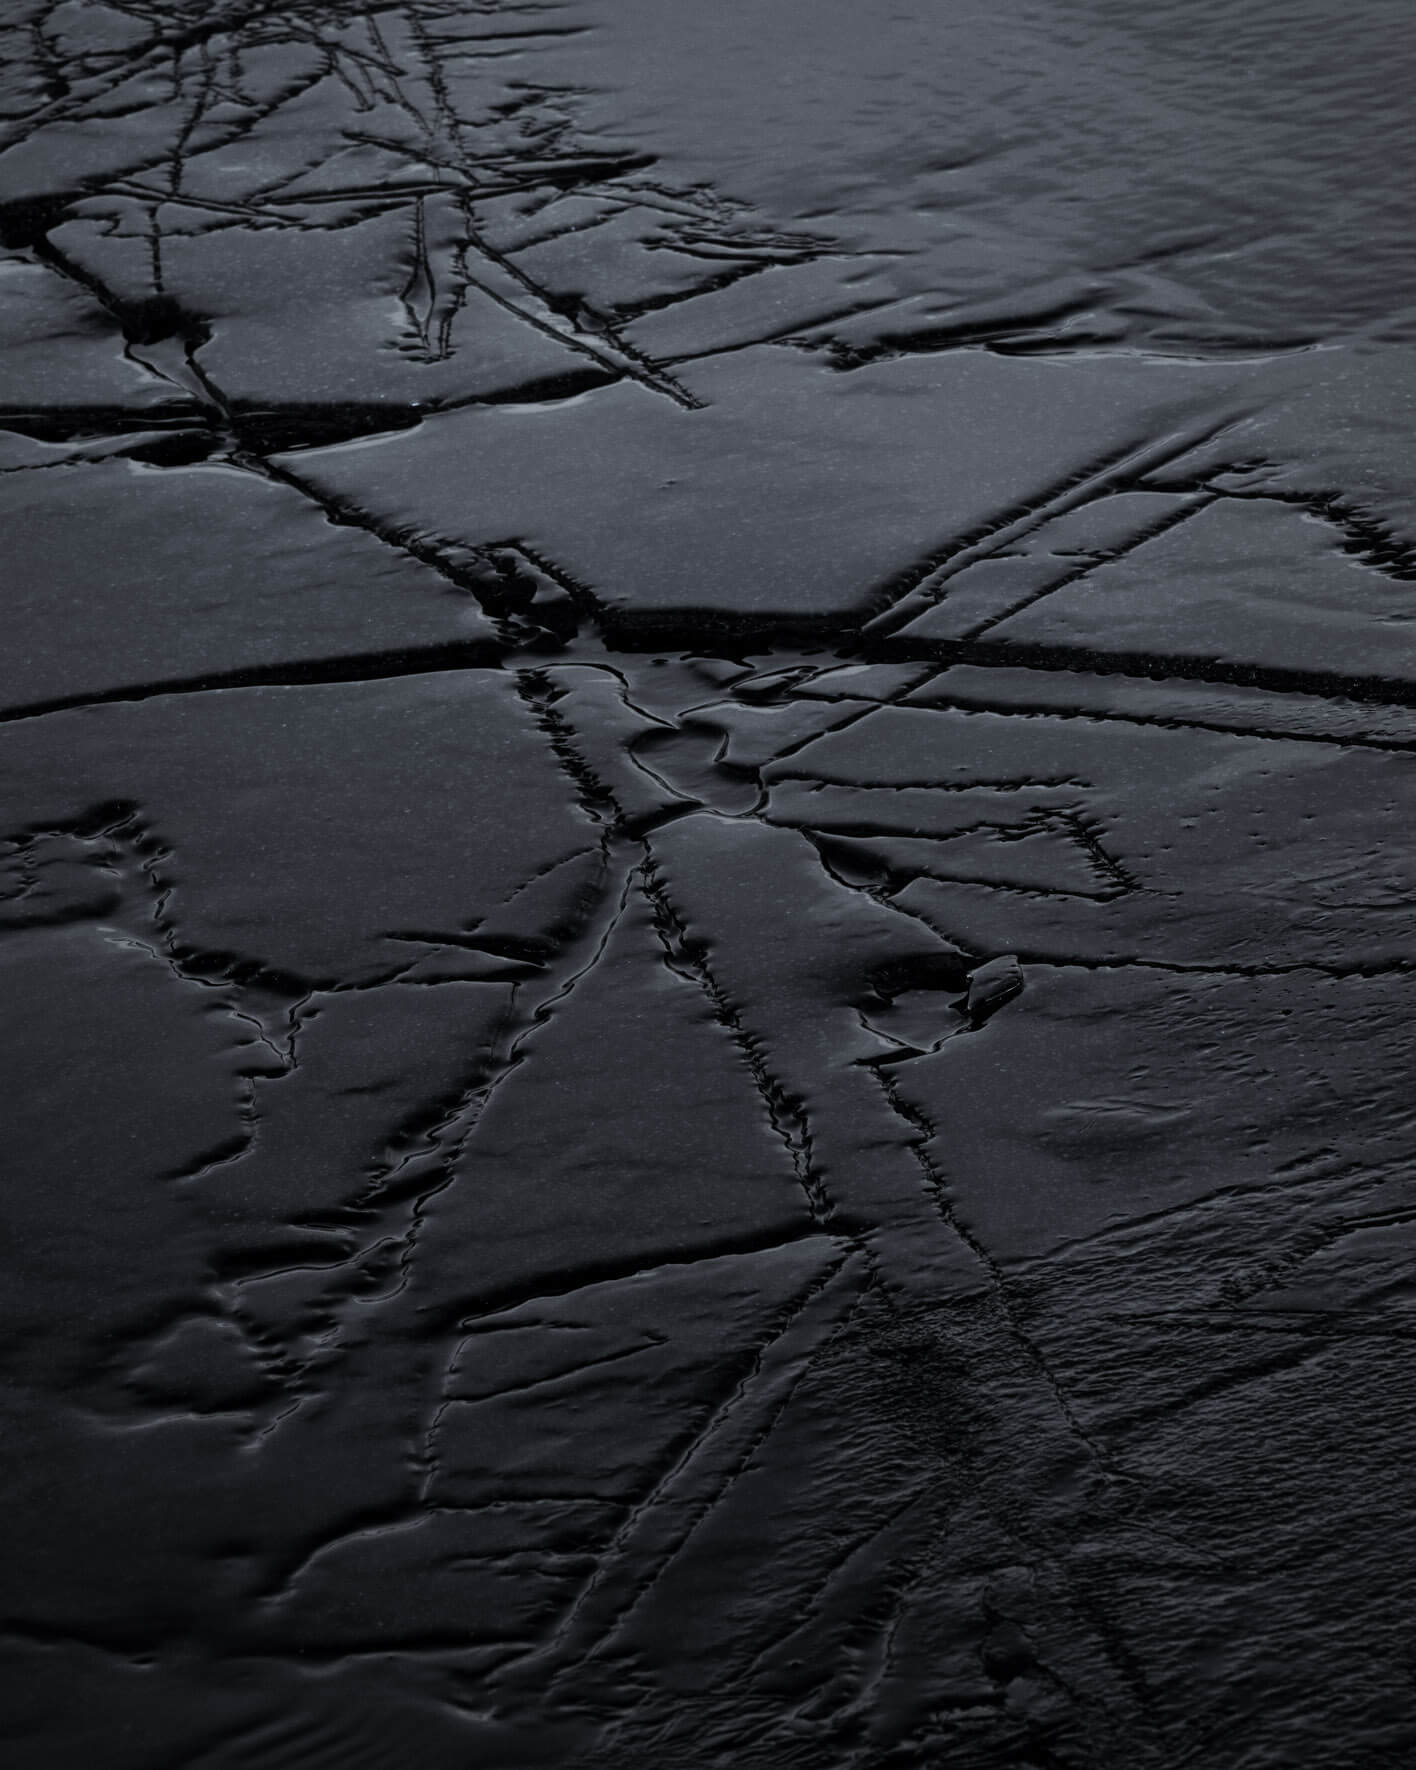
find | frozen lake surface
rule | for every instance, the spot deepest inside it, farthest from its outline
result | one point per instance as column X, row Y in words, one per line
column 706, row 889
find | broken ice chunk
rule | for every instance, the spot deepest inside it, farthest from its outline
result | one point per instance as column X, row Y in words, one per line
column 991, row 986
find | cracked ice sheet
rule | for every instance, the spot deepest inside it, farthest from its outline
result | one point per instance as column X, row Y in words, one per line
column 382, row 210
column 61, row 350
column 1109, row 845
column 129, row 578
column 1119, row 1096
column 303, row 829
column 1251, row 582
column 964, row 1375
column 794, row 500
column 1204, row 1190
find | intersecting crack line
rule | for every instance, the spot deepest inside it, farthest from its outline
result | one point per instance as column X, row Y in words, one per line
column 454, row 1134
column 580, row 1636
column 923, row 1132
column 1361, row 1176
column 131, row 62
column 688, row 958
column 539, row 694
column 428, row 1163
column 1306, row 1350
column 553, row 319
column 909, row 594
column 443, row 1141
column 1154, row 531
column 807, row 1607
column 486, row 1323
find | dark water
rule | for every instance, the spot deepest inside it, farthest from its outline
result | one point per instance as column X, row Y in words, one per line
column 704, row 885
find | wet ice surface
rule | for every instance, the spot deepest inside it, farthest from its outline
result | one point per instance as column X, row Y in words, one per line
column 705, row 886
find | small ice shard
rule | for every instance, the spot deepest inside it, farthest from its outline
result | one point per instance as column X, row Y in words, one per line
column 991, row 986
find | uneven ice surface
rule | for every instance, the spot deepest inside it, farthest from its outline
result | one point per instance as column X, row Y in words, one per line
column 706, row 770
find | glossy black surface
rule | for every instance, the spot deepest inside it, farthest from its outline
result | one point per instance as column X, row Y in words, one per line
column 705, row 885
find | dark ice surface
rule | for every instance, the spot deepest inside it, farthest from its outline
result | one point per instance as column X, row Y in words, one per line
column 709, row 748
